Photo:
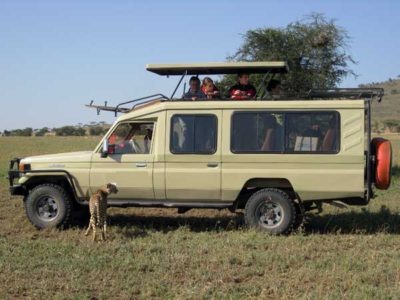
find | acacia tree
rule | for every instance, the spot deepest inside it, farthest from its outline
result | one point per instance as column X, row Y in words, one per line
column 314, row 48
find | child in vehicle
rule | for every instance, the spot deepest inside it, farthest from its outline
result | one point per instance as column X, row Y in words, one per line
column 209, row 89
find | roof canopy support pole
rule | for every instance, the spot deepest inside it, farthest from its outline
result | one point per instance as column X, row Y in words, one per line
column 179, row 83
column 262, row 85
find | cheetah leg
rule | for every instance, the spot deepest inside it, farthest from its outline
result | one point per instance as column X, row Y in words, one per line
column 104, row 230
column 93, row 223
column 92, row 220
column 101, row 225
column 94, row 232
column 89, row 227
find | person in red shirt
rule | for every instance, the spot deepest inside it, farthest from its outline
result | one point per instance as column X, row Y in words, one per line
column 243, row 89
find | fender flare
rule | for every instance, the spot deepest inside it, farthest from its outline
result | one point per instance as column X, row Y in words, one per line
column 61, row 173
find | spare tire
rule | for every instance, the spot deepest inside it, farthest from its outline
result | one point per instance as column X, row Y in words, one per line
column 382, row 149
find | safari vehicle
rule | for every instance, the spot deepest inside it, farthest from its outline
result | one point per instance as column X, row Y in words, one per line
column 274, row 159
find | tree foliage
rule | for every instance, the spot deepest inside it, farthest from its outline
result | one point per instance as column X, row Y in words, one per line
column 42, row 131
column 316, row 50
column 97, row 130
column 19, row 132
column 70, row 131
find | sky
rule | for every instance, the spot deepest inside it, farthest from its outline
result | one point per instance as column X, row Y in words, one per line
column 57, row 56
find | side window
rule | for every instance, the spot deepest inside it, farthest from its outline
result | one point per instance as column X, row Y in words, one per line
column 312, row 132
column 257, row 132
column 131, row 138
column 193, row 134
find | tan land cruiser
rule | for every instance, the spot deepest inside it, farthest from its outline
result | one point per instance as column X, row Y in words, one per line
column 275, row 159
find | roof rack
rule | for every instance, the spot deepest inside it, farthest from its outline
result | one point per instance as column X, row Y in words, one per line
column 313, row 94
column 120, row 109
column 348, row 93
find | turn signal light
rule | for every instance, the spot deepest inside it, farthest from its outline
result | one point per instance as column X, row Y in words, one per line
column 24, row 167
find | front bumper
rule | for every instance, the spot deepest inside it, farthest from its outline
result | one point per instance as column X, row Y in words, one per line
column 18, row 190
column 13, row 174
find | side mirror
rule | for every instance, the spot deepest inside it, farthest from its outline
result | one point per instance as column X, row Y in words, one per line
column 104, row 151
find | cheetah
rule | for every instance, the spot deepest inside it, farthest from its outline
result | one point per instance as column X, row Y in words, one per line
column 98, row 209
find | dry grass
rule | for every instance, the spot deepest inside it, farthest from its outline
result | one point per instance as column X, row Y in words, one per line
column 389, row 107
column 156, row 253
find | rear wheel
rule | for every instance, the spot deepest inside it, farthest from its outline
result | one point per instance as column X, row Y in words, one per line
column 48, row 205
column 270, row 210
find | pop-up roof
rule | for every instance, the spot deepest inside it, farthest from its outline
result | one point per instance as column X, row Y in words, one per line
column 267, row 68
column 219, row 68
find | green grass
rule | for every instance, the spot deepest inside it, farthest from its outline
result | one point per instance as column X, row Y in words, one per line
column 155, row 253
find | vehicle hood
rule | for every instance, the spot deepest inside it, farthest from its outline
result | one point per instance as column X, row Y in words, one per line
column 56, row 160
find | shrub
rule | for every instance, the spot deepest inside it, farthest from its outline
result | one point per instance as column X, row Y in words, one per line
column 20, row 132
column 96, row 130
column 42, row 131
column 70, row 131
column 392, row 125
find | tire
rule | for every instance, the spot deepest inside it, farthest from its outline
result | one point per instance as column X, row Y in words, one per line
column 48, row 206
column 270, row 210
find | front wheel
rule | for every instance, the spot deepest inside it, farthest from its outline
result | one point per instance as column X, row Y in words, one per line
column 48, row 205
column 270, row 210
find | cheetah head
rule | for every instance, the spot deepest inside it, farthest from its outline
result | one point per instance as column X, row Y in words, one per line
column 112, row 188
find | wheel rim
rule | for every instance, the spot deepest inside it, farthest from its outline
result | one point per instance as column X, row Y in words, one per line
column 46, row 208
column 269, row 214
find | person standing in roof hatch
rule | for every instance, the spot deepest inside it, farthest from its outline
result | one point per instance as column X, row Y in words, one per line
column 209, row 89
column 243, row 89
column 194, row 92
column 274, row 89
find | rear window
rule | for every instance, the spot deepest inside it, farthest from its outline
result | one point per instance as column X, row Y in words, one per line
column 312, row 132
column 288, row 132
column 193, row 134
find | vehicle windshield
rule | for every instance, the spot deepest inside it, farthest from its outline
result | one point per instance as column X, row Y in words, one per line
column 131, row 138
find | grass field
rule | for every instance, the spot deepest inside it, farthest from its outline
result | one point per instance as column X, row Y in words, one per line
column 389, row 107
column 155, row 253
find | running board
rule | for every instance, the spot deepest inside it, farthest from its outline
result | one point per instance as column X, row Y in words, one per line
column 150, row 203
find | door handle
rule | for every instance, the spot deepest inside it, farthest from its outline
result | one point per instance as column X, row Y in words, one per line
column 212, row 165
column 141, row 165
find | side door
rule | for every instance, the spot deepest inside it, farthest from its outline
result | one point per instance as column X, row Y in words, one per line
column 129, row 162
column 193, row 156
